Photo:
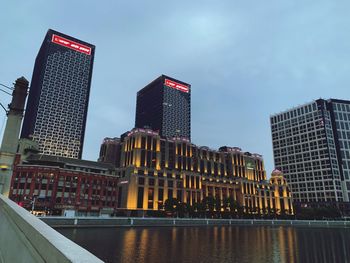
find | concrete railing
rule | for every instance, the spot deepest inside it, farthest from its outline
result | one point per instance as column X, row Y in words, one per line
column 25, row 238
column 137, row 221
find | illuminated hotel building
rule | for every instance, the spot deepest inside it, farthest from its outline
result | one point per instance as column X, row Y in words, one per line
column 154, row 169
column 58, row 99
column 311, row 146
column 164, row 105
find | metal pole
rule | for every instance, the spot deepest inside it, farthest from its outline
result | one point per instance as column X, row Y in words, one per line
column 33, row 204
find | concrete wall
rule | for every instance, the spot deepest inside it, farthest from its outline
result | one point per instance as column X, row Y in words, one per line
column 137, row 221
column 25, row 238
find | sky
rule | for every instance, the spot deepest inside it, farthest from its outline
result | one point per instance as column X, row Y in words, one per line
column 245, row 60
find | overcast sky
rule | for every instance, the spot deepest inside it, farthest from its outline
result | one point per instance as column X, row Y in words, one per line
column 245, row 59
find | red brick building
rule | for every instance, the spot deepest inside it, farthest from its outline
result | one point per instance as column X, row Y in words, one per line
column 58, row 183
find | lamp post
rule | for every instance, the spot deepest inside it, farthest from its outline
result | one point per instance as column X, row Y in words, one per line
column 33, row 204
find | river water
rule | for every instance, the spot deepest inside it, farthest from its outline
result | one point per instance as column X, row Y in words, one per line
column 214, row 244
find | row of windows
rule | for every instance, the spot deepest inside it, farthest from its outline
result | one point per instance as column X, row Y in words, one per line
column 161, row 182
column 345, row 107
column 294, row 113
column 64, row 189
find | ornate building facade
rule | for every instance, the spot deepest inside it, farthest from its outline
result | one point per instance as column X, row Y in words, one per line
column 154, row 169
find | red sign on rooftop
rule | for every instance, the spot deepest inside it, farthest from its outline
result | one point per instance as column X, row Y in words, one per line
column 71, row 44
column 176, row 85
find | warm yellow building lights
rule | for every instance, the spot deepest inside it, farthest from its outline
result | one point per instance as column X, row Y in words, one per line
column 179, row 169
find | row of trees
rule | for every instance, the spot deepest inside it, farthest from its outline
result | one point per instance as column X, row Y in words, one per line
column 211, row 207
column 318, row 213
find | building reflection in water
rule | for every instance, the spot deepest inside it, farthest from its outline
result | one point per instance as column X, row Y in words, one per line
column 215, row 244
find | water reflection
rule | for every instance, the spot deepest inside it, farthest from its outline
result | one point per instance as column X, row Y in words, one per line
column 215, row 244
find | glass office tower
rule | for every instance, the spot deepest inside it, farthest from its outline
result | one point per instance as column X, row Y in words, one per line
column 58, row 99
column 164, row 105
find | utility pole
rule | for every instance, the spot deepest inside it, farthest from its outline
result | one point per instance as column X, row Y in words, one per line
column 9, row 143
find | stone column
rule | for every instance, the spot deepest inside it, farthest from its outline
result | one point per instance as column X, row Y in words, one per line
column 9, row 143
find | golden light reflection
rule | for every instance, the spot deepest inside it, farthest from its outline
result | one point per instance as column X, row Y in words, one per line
column 253, row 243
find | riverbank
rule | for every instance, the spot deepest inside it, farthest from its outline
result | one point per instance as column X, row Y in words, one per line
column 139, row 222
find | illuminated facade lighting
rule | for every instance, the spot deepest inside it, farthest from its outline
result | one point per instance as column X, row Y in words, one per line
column 56, row 110
column 227, row 172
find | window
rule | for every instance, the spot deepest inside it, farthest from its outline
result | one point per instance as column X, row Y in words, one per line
column 170, row 193
column 179, row 195
column 151, row 181
column 141, row 180
column 150, row 198
column 140, row 197
column 170, row 183
column 160, row 194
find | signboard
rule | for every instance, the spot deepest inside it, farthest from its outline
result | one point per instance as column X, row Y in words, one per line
column 71, row 44
column 249, row 164
column 136, row 130
column 175, row 85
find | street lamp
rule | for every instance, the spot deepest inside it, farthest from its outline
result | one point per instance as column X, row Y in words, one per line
column 32, row 202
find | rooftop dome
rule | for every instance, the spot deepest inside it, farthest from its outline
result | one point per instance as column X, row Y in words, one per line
column 276, row 172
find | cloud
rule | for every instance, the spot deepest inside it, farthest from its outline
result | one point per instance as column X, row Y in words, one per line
column 244, row 59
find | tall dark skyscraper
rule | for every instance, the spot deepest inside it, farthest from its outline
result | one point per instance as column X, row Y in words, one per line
column 58, row 99
column 164, row 105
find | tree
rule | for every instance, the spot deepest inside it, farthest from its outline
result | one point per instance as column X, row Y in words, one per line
column 318, row 213
column 209, row 204
column 226, row 204
column 189, row 209
column 240, row 210
column 218, row 206
column 199, row 209
column 230, row 205
column 181, row 209
column 171, row 205
column 233, row 205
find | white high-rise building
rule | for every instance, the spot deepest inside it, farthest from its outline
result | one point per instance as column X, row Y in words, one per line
column 311, row 146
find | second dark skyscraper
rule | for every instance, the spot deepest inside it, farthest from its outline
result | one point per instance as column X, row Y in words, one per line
column 164, row 105
column 58, row 99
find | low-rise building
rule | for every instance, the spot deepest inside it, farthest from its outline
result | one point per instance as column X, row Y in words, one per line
column 51, row 184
